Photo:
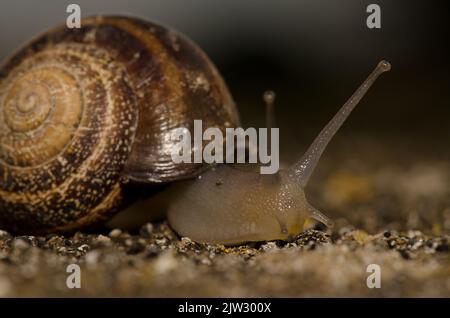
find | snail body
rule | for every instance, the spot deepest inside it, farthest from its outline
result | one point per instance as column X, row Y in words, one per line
column 84, row 112
column 230, row 206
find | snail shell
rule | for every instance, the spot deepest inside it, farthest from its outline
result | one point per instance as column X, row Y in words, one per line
column 83, row 110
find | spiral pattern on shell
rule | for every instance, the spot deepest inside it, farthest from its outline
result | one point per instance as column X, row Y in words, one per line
column 67, row 113
column 82, row 109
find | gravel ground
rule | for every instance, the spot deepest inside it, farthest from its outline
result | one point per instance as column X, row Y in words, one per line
column 393, row 215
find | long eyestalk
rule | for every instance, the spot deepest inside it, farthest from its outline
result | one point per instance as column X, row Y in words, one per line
column 303, row 169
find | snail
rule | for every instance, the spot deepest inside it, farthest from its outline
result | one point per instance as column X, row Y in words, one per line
column 86, row 112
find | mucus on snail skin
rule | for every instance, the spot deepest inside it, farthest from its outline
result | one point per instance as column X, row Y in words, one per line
column 230, row 206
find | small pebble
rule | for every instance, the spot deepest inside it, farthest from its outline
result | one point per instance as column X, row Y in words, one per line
column 165, row 263
column 20, row 244
column 146, row 230
column 83, row 248
column 442, row 248
column 152, row 252
column 92, row 257
column 205, row 261
column 115, row 233
column 128, row 242
column 67, row 242
column 103, row 238
column 161, row 242
column 269, row 246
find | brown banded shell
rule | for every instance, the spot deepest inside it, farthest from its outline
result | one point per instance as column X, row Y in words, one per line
column 83, row 109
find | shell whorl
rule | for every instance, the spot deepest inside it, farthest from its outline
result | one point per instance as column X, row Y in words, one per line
column 82, row 110
column 67, row 121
